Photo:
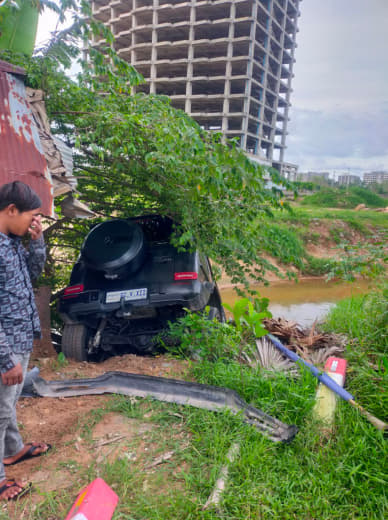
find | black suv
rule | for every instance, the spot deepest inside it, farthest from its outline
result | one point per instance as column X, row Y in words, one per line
column 128, row 282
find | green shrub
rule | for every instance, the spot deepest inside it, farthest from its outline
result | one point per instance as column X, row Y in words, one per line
column 315, row 266
column 194, row 335
column 368, row 197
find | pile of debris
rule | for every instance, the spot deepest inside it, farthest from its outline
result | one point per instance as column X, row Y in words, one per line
column 310, row 344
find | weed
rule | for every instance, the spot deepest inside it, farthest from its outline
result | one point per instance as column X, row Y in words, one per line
column 70, row 465
column 357, row 225
column 195, row 335
column 250, row 316
column 361, row 259
column 309, row 236
column 338, row 235
column 315, row 266
column 59, row 362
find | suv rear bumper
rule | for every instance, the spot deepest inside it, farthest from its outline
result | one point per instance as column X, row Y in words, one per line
column 192, row 295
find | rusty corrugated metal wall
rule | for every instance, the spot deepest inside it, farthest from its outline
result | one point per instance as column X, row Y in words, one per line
column 21, row 153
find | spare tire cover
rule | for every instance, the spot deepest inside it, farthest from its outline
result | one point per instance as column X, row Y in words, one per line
column 113, row 244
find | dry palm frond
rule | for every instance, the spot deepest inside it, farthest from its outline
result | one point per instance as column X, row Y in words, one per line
column 311, row 345
column 267, row 356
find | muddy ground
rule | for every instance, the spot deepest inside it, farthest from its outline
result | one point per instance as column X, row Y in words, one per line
column 60, row 422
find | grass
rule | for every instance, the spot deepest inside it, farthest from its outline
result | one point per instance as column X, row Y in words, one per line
column 337, row 478
column 310, row 478
column 341, row 477
column 344, row 198
column 281, row 243
column 365, row 320
column 359, row 220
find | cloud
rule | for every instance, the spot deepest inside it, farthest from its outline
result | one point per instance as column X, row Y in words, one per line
column 338, row 139
column 342, row 54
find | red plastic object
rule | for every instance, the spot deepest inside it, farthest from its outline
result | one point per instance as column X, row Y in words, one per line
column 336, row 369
column 97, row 501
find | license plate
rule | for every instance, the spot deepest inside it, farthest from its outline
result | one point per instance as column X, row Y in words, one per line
column 130, row 295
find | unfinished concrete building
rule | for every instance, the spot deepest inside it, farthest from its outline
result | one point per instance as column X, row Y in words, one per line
column 227, row 63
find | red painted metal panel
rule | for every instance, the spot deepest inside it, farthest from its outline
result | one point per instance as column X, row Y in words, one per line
column 21, row 154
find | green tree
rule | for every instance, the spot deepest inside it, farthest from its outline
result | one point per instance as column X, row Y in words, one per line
column 135, row 153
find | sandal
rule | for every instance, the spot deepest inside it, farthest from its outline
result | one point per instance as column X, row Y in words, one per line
column 12, row 483
column 30, row 453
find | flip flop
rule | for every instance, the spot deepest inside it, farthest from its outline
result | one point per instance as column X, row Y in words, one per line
column 12, row 483
column 30, row 453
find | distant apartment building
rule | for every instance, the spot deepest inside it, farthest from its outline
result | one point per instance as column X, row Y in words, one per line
column 227, row 63
column 375, row 177
column 313, row 176
column 347, row 180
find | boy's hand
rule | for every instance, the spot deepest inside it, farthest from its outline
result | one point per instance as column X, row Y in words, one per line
column 13, row 376
column 35, row 229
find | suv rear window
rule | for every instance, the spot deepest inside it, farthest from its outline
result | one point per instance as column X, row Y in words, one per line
column 155, row 227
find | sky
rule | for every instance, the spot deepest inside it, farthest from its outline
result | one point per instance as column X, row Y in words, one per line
column 339, row 114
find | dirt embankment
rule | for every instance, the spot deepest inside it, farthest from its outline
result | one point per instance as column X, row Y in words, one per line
column 321, row 239
column 324, row 236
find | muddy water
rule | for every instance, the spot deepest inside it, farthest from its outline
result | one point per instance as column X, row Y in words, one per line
column 305, row 301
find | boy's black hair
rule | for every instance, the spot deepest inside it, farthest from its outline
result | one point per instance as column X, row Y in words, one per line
column 20, row 194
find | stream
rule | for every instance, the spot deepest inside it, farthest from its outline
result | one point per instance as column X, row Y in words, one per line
column 302, row 302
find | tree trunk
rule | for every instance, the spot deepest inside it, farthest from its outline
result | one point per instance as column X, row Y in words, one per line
column 43, row 347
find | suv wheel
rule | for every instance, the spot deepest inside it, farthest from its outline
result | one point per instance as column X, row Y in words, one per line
column 74, row 341
column 146, row 344
column 216, row 313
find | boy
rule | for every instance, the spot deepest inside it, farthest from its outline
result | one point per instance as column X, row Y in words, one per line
column 19, row 321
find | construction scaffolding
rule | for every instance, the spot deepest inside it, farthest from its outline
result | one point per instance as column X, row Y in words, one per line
column 227, row 63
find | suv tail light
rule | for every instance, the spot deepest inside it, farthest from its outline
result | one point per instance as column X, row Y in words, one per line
column 73, row 290
column 192, row 275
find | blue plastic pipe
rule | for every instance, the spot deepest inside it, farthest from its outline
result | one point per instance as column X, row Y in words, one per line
column 324, row 378
column 330, row 383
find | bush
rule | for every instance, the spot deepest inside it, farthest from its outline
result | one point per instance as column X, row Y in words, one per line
column 194, row 335
column 315, row 266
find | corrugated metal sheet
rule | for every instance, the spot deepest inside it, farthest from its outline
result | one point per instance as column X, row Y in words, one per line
column 13, row 69
column 67, row 160
column 21, row 154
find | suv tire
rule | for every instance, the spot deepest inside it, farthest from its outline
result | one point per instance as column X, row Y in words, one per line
column 75, row 338
column 216, row 313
